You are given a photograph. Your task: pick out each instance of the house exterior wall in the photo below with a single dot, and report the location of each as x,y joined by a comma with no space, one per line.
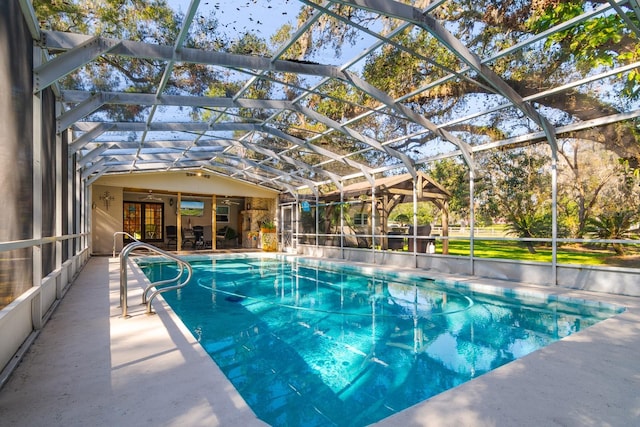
166,186
106,218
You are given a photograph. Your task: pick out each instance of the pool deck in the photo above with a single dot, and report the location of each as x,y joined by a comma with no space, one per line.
89,366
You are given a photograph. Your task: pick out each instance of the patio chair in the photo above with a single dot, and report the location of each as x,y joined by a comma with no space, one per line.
421,244
171,232
189,237
198,232
150,232
226,236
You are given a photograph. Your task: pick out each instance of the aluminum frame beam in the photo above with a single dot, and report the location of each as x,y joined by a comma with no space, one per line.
417,118
82,110
358,136
127,98
67,62
203,127
79,50
455,46
284,158
89,136
57,40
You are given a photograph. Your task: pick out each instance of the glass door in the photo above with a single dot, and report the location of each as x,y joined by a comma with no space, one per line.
153,221
144,221
132,220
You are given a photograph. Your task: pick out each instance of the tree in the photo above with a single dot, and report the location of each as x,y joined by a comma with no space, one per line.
615,225
584,175
403,219
517,187
150,21
403,213
618,216
601,42
454,176
604,41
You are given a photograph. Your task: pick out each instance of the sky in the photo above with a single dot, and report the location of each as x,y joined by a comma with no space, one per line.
262,16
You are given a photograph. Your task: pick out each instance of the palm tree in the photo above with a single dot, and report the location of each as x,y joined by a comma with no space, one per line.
614,225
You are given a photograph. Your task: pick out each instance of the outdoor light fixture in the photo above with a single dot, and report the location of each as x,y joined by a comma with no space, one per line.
199,174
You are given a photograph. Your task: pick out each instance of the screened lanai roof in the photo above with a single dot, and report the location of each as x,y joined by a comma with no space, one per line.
321,94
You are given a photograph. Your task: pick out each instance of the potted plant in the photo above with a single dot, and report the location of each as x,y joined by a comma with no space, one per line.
269,238
268,226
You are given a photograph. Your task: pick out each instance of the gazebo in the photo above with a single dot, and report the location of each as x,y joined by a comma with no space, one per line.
388,192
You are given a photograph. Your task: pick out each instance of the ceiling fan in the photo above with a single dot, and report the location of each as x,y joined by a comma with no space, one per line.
151,198
229,202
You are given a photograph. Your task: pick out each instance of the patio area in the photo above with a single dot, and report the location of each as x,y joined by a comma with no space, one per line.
89,366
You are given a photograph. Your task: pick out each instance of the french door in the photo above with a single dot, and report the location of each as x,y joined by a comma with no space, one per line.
144,221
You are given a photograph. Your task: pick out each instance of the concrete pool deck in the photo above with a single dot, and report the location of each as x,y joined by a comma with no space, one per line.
89,366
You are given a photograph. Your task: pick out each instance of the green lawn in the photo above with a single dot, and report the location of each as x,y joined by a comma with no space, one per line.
515,250
567,254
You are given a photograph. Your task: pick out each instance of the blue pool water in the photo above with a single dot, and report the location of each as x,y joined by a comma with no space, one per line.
307,344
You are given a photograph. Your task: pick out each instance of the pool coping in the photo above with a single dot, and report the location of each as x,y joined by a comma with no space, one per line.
90,364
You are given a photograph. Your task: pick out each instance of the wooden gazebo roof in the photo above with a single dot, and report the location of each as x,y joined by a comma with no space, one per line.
397,187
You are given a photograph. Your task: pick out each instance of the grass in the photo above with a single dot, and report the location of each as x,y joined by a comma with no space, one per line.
505,249
573,254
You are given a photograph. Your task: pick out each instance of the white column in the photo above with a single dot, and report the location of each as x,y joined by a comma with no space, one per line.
554,215
415,223
36,309
471,219
179,224
341,222
60,155
214,222
297,224
70,200
373,220
317,218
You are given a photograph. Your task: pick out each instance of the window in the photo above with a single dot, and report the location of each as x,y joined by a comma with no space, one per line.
222,213
361,219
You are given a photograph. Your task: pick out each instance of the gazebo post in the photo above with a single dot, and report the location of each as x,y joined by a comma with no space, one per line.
384,218
392,191
214,223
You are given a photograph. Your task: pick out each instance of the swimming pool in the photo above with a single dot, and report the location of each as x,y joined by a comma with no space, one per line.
313,343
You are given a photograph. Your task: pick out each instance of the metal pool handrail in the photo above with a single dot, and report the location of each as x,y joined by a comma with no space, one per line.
124,256
118,233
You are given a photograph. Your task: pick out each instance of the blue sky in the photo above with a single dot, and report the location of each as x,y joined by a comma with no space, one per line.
261,16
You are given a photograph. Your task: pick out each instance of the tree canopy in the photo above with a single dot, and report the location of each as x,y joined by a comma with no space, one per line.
465,79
